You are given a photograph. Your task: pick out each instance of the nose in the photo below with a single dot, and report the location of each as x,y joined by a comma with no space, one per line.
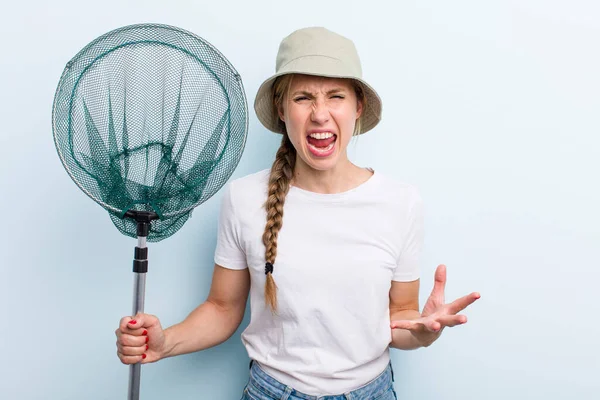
320,112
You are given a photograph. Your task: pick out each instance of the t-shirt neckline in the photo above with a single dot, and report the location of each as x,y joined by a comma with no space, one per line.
296,191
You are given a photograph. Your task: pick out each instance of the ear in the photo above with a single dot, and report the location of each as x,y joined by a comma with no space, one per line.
359,108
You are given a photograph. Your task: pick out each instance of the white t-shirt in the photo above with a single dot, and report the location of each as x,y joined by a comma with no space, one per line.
336,257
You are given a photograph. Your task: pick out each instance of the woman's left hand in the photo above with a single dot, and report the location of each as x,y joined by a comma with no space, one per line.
437,314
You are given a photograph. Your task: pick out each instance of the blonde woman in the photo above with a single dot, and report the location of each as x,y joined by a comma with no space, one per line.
328,251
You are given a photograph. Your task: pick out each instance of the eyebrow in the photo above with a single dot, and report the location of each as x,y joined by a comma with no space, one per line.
305,93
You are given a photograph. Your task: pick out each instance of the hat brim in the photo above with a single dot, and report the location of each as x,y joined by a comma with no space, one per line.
263,103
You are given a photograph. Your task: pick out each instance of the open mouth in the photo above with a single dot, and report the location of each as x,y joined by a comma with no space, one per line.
321,144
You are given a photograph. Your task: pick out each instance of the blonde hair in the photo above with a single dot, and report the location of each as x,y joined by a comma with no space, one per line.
280,178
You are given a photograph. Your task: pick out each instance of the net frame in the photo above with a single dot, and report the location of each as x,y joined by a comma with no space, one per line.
99,43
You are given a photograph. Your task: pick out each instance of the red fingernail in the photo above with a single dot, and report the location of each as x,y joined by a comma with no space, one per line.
143,356
147,339
132,322
147,347
145,332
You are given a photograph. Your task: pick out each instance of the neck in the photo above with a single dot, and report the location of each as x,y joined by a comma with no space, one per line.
344,176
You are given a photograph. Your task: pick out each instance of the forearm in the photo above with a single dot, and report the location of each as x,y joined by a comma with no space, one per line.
403,339
207,326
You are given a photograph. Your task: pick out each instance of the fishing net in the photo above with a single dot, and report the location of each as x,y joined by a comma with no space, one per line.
149,121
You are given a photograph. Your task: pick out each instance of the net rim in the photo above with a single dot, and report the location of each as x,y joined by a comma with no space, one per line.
133,27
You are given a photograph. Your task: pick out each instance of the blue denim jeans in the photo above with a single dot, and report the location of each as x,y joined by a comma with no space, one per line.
262,386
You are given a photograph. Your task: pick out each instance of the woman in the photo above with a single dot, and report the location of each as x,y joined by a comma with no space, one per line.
335,282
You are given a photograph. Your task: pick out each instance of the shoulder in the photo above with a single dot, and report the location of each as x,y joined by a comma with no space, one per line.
397,191
252,183
249,192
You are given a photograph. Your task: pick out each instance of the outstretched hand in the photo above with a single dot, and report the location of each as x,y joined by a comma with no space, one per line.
437,314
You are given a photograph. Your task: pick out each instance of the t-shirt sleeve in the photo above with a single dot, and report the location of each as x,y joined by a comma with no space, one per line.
407,268
229,251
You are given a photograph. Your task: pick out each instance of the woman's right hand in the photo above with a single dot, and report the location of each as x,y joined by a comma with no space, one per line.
140,339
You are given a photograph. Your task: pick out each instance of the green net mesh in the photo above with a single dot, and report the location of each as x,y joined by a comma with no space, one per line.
150,118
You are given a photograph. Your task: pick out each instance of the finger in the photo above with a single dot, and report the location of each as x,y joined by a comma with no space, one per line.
139,321
132,332
411,325
130,359
132,351
127,324
452,320
460,304
129,340
439,285
433,326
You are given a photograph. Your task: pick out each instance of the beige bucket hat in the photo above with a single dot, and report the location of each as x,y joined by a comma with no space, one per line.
320,52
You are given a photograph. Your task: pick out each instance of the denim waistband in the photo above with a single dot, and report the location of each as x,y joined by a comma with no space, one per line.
277,390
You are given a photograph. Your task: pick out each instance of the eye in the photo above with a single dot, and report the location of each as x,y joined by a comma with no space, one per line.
337,96
300,98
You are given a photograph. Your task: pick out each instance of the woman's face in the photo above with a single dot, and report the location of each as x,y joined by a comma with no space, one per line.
320,115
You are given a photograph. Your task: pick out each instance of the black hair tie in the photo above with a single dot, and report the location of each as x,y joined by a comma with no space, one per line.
268,268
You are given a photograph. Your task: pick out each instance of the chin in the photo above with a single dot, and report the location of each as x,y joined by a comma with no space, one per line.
321,164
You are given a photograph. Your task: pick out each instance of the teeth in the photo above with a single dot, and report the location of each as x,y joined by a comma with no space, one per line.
322,135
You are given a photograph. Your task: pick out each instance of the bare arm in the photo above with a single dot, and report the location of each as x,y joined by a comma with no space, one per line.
214,321
404,305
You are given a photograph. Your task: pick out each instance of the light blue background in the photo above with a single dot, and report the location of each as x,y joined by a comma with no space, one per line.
490,107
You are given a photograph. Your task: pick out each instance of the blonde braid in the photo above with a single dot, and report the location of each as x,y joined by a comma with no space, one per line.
279,184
